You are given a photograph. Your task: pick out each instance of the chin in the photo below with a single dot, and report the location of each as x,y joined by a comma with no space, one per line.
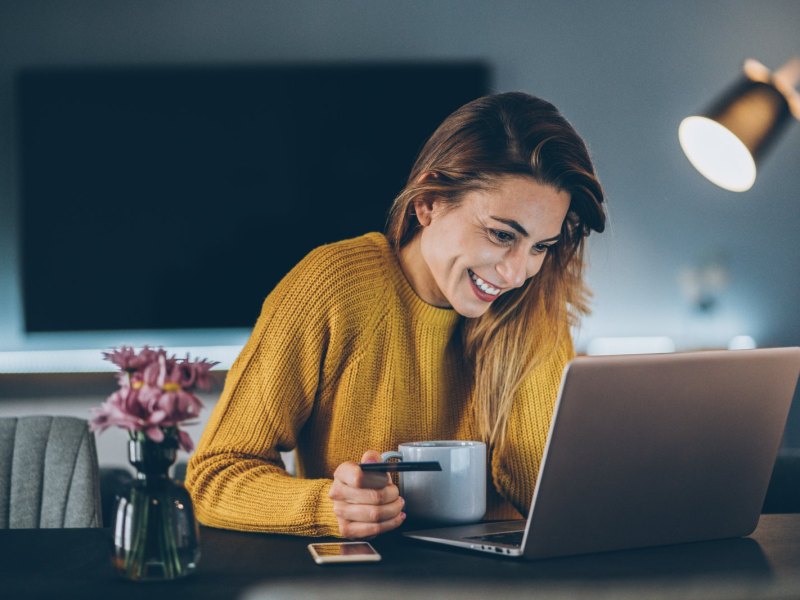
469,310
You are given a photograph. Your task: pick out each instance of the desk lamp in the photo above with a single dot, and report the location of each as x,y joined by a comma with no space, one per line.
727,140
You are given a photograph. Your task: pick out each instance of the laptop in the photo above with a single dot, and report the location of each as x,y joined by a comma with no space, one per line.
649,450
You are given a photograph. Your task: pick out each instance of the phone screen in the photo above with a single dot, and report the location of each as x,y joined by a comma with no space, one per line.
343,552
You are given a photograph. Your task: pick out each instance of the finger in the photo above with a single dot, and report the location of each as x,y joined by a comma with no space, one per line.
368,513
373,456
344,526
355,530
373,496
351,475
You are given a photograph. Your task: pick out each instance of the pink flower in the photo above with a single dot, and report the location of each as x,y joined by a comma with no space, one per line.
127,359
203,376
184,441
177,405
155,395
184,373
124,409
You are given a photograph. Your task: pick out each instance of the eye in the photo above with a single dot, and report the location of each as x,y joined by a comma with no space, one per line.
541,248
504,237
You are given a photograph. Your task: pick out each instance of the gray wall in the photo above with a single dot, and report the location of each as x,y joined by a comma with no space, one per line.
625,73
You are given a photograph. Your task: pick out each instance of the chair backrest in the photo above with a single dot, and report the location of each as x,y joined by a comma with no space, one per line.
49,476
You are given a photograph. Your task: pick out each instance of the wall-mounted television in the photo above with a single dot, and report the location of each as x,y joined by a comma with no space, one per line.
177,197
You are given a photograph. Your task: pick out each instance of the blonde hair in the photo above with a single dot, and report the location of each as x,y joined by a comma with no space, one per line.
484,140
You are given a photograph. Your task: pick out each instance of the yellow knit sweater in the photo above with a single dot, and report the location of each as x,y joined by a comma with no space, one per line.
345,357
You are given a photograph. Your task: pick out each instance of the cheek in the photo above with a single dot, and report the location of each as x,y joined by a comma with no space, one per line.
487,255
438,250
482,254
535,265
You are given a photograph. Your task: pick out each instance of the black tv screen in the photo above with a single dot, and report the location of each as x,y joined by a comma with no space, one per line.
177,197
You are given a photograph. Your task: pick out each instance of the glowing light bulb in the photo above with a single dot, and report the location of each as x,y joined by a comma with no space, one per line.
717,153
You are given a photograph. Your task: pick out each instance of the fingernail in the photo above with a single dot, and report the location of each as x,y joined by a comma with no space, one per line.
402,516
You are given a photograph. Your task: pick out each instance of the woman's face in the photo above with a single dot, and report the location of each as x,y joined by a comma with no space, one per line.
492,242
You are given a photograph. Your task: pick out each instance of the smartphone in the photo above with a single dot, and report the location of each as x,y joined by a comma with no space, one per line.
343,552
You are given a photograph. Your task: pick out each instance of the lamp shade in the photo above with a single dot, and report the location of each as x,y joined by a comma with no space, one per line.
727,140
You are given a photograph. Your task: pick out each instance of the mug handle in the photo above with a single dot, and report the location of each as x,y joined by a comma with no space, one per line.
391,454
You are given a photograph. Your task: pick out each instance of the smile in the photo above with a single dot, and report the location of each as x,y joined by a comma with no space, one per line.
483,287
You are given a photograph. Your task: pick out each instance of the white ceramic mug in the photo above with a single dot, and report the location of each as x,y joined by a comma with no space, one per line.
454,495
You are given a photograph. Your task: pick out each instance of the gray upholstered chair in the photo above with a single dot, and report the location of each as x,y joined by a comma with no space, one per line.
49,475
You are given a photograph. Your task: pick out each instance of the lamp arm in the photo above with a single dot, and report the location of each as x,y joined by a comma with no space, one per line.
786,80
789,73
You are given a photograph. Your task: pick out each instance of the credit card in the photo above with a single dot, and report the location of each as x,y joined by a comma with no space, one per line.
397,467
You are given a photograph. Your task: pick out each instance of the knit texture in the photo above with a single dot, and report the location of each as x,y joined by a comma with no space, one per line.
345,357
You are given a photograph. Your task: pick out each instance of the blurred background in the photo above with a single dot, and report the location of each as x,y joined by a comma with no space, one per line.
683,264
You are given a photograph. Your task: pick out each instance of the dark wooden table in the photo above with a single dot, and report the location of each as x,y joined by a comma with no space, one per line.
75,563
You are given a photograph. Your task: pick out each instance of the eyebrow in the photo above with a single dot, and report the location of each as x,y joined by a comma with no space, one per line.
514,225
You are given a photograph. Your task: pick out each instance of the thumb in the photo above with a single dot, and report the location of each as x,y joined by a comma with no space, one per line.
371,456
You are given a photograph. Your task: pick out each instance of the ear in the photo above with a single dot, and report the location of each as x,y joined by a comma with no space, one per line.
423,209
423,205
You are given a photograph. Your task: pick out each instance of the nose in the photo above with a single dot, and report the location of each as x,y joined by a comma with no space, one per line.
513,268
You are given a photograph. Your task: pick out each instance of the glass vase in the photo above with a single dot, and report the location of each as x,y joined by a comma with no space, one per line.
156,536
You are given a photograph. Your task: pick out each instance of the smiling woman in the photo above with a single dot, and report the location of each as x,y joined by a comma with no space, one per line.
508,158
452,326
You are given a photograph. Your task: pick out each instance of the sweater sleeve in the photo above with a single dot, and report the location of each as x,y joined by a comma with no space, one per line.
516,466
236,477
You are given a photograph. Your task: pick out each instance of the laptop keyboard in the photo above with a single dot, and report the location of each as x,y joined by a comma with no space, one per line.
512,538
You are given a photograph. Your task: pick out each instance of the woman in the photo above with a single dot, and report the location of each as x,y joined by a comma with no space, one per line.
455,325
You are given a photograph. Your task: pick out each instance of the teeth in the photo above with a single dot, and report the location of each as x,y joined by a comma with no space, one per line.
483,285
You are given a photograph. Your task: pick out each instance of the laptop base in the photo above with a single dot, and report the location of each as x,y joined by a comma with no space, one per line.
494,538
